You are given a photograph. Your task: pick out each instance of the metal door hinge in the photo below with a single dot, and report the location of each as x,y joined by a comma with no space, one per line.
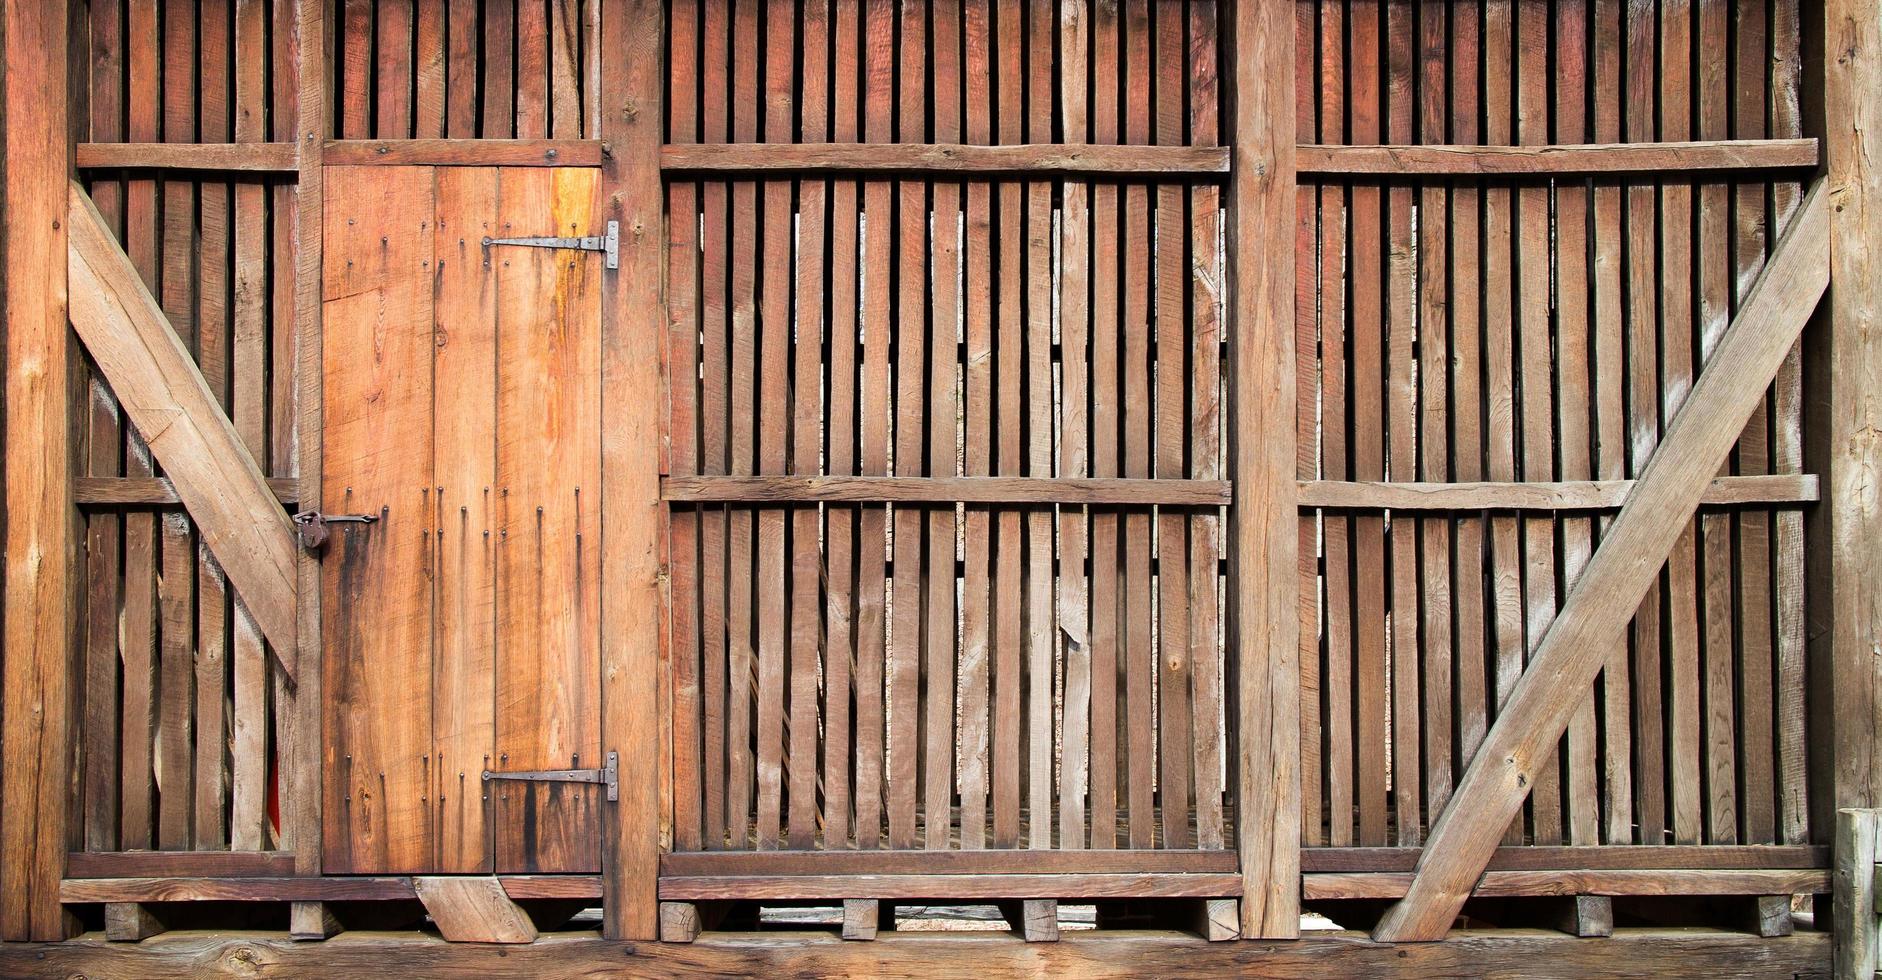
607,775
311,525
609,244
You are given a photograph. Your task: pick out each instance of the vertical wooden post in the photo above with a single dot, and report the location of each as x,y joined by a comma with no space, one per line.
1262,574
633,318
300,706
1850,407
1855,898
37,780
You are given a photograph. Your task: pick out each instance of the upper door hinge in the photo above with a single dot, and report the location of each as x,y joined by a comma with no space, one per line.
609,245
607,775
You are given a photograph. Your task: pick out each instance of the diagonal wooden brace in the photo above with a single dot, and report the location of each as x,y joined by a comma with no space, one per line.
1632,552
165,395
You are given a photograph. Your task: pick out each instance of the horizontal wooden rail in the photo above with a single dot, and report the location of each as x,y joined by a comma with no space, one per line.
280,158
1128,161
1559,159
1506,884
842,862
920,886
941,490
1644,857
301,889
153,491
179,864
464,153
1793,488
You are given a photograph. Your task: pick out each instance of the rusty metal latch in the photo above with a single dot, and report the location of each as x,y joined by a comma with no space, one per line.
607,775
609,244
311,525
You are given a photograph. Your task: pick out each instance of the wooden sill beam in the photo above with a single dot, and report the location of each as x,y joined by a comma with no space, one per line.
1640,857
924,886
1595,615
950,489
178,864
464,153
946,158
1561,159
276,158
1510,884
155,491
893,862
163,393
1779,489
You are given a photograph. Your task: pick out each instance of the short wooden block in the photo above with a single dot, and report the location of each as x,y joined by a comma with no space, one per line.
311,921
861,918
679,922
474,910
129,922
1586,916
1771,915
1219,919
1037,919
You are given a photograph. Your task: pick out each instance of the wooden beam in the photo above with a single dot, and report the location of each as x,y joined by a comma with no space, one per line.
946,862
1511,884
278,889
158,491
178,864
1263,579
275,158
949,490
465,153
1089,955
37,708
1591,621
311,921
1166,162
862,919
164,393
471,909
679,922
1854,908
1036,919
1777,488
130,922
1641,857
1558,159
1219,919
922,886
633,324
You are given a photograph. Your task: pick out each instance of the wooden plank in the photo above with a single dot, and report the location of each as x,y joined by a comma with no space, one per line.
1009,331
949,490
548,594
1208,715
682,765
176,609
1401,414
1307,462
352,888
556,886
378,458
178,864
1137,656
165,395
950,862
41,529
1261,553
742,338
499,70
240,158
918,886
465,152
532,69
392,83
914,159
1503,884
1854,901
1042,650
1105,954
1788,453
465,364
943,410
1336,680
1105,607
1584,857
1557,159
1434,417
1074,450
713,398
473,910
565,41
1569,655
976,441
144,492
632,317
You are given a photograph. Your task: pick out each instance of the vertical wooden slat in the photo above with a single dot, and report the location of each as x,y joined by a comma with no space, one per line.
1261,189
393,85
466,360
532,69
41,525
631,324
1434,415
1105,614
1008,377
944,338
1139,657
1336,527
458,84
977,448
1174,669
1307,415
1788,446
248,771
741,647
909,318
1401,408
1074,459
682,425
1205,420
714,393
103,554
1041,630
840,449
499,69
878,113
565,95
209,824
774,334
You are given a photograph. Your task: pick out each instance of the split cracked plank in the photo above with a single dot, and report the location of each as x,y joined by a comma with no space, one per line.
1594,617
165,395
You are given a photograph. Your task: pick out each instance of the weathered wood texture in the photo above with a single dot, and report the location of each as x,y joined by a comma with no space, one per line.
473,910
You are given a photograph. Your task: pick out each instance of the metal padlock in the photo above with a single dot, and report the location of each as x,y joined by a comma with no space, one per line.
311,525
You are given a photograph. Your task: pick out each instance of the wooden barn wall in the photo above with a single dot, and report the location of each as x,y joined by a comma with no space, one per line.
1537,330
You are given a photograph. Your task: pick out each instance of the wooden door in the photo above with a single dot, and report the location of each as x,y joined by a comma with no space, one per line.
462,407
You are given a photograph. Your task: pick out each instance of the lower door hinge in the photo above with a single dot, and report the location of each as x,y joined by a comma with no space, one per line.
609,245
606,776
